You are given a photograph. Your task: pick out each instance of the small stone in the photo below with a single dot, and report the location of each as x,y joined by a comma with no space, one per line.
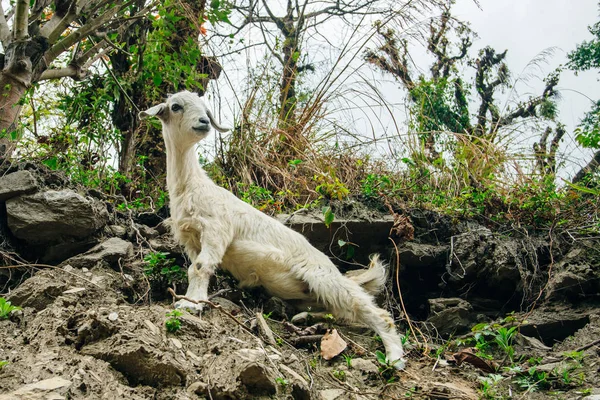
199,388
74,290
153,328
177,343
364,366
294,375
113,316
331,394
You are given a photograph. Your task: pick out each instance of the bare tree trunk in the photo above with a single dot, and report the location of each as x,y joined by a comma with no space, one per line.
11,91
287,94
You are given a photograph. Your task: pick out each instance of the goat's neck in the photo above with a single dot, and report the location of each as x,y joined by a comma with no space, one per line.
183,168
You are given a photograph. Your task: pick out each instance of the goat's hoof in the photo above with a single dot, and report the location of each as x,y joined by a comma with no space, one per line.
192,308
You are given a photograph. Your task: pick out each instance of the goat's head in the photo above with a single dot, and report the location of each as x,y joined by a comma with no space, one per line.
185,117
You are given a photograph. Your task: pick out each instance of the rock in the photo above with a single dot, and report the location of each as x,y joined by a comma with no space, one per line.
117,230
199,388
227,305
147,232
576,275
258,379
414,255
276,308
39,291
450,315
140,363
48,389
48,217
69,247
166,244
17,183
149,218
489,264
332,394
364,366
300,392
113,316
551,326
296,377
110,251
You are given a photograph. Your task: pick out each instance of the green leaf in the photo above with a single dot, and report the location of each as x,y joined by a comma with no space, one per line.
342,243
51,163
381,358
329,216
157,79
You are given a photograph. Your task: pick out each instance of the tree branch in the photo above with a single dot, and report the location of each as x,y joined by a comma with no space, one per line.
4,29
73,71
276,20
61,19
81,33
21,19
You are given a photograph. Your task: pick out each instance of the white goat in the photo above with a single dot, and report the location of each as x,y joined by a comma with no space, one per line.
217,228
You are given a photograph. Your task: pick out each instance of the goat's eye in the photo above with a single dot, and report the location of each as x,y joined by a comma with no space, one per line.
176,107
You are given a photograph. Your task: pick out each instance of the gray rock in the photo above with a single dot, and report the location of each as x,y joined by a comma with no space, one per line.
110,252
48,217
576,275
147,232
450,315
139,362
118,230
416,254
258,379
53,388
39,291
364,366
17,183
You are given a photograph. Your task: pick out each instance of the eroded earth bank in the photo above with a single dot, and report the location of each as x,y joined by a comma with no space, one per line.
494,311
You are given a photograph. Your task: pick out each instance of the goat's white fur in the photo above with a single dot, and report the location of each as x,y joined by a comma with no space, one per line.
217,228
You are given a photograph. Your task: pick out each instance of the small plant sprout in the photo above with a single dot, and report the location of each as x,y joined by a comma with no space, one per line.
6,308
173,323
348,358
159,268
3,363
329,318
575,356
489,386
282,381
386,368
339,374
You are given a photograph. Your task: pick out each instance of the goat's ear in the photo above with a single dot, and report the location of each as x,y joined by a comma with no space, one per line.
214,123
156,111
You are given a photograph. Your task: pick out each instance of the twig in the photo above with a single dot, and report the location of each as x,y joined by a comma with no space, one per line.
587,346
51,267
410,325
211,305
264,328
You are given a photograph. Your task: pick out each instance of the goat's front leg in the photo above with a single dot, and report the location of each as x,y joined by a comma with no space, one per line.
201,270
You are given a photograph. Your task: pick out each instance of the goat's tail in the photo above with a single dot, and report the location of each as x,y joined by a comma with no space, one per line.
372,279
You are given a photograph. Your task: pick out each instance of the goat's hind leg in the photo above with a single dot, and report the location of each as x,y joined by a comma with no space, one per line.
346,299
